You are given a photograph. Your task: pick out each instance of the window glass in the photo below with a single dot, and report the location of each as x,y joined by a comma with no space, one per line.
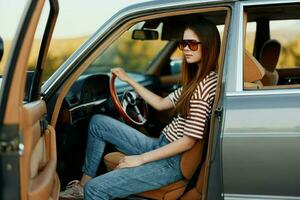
12,11
287,32
132,55
278,47
76,22
250,36
33,56
35,49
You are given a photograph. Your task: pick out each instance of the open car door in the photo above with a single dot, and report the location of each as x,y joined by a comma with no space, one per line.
27,142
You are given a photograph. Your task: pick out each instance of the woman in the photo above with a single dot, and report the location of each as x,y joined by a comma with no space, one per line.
155,162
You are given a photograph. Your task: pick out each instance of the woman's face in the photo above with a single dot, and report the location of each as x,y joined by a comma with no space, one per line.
192,56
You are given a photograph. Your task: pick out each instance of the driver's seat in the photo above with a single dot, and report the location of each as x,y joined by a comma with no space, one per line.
189,163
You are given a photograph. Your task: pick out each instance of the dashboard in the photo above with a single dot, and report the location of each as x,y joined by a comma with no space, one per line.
90,94
87,89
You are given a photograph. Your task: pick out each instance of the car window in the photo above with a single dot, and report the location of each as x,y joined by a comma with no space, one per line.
272,43
33,56
9,30
76,22
131,54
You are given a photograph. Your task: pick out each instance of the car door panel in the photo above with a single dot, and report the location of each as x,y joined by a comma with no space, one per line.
261,144
38,163
260,140
34,141
11,98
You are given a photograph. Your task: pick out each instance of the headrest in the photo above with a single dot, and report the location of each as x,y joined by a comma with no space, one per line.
269,54
253,70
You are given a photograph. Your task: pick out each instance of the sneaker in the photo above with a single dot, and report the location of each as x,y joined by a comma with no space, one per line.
73,191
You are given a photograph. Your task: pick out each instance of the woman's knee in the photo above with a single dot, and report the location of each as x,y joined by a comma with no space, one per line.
92,191
98,122
100,119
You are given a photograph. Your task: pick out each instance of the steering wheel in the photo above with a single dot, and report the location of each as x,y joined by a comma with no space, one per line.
129,102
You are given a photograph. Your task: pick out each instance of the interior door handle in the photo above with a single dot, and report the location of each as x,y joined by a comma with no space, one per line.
43,124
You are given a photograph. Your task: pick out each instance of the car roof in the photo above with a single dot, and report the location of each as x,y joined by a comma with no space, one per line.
176,3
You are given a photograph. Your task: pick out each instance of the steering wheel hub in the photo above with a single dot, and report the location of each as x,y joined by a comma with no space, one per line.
129,99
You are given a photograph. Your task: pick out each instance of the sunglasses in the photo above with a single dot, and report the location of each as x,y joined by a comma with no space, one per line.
192,44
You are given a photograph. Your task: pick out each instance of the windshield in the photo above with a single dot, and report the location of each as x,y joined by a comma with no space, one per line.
130,54
76,22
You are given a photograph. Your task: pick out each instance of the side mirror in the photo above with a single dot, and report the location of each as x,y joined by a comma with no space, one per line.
145,35
1,48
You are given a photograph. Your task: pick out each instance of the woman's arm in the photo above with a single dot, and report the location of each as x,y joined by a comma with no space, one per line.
171,149
154,100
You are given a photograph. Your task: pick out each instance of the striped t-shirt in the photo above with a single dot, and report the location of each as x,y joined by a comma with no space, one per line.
200,108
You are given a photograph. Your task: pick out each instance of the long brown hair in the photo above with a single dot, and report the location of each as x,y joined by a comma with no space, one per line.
192,74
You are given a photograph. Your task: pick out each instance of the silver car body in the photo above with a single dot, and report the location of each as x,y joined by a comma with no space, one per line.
260,131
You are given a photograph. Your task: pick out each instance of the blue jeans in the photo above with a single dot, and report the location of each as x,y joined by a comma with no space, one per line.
124,182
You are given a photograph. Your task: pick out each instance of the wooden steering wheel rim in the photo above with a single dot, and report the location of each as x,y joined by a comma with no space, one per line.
118,105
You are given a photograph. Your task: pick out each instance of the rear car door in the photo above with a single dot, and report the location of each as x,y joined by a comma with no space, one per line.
28,149
261,140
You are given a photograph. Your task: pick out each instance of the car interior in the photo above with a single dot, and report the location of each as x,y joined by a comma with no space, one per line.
89,94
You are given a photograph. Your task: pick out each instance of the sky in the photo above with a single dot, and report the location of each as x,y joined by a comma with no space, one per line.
76,17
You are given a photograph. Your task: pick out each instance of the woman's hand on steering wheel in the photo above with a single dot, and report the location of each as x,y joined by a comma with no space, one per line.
121,74
130,99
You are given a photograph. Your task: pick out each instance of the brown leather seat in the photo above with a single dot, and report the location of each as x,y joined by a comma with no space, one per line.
268,58
189,162
253,72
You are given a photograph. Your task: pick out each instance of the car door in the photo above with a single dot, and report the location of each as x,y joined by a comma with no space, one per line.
28,149
260,140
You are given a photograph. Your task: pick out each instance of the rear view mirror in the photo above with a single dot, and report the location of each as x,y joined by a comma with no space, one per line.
1,48
145,35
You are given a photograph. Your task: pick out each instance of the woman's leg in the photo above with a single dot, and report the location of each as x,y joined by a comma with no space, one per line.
120,183
104,129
